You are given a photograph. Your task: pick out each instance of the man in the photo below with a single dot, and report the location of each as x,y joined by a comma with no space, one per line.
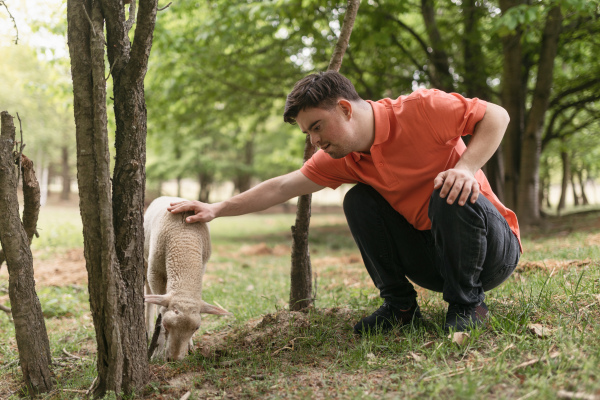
421,209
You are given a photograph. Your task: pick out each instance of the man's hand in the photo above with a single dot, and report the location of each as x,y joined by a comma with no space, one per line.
457,182
203,212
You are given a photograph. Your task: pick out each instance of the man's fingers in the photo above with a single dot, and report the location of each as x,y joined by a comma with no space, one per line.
439,180
448,186
475,192
181,207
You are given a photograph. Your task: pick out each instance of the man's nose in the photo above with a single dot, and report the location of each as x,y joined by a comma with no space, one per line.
315,139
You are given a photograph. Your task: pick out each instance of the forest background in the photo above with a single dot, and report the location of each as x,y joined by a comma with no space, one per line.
220,70
217,79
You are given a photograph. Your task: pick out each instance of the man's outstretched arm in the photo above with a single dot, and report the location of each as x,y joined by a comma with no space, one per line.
262,196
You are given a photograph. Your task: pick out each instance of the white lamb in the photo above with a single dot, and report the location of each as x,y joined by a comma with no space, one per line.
176,254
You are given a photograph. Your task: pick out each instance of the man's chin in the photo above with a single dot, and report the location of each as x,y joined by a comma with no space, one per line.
336,156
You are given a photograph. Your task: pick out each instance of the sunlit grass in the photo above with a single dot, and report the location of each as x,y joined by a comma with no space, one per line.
249,275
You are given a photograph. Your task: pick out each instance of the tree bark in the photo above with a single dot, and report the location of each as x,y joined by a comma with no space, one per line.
475,81
574,189
31,200
205,180
301,270
30,329
113,219
441,76
513,100
66,175
584,198
86,46
566,164
527,203
129,64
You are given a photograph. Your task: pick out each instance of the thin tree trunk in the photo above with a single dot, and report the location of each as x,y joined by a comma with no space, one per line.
31,200
527,203
566,164
243,179
441,75
86,45
30,329
129,64
573,188
113,220
301,271
584,198
513,100
66,175
476,83
205,180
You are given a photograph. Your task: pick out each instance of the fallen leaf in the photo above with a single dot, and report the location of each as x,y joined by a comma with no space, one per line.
416,357
428,344
459,337
539,330
537,360
250,288
563,394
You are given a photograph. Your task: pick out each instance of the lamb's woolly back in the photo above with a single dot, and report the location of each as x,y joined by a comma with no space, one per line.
174,248
176,253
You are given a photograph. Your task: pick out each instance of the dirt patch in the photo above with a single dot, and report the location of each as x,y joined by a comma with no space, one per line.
63,270
552,265
262,249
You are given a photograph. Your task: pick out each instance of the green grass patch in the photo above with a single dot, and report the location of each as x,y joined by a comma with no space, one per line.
316,355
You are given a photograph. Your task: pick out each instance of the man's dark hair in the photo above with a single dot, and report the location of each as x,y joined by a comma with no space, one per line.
320,90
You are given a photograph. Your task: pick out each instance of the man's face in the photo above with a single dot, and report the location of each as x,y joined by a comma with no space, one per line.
328,129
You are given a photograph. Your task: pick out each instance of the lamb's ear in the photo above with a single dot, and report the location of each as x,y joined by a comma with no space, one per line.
159,299
210,309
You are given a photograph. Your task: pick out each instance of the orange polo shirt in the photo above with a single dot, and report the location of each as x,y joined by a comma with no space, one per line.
416,137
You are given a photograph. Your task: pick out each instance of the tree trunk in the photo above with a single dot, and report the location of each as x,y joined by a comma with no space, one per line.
30,329
527,203
205,180
301,270
475,78
584,198
243,180
441,76
129,65
86,46
113,221
66,175
565,180
513,100
573,188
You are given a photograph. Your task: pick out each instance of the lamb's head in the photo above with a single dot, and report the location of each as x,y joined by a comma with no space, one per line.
180,320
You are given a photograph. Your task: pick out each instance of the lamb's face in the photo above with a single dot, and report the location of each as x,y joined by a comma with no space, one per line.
179,326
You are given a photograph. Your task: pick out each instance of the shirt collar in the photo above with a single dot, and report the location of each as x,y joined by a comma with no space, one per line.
382,126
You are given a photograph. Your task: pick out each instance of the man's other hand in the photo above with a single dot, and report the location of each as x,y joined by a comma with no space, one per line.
203,212
457,182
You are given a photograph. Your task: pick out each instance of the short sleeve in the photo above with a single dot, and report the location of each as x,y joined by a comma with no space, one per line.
326,171
451,115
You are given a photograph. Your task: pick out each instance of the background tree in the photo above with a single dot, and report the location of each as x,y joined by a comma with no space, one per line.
30,329
113,219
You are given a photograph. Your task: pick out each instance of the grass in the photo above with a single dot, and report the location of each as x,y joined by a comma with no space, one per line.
315,354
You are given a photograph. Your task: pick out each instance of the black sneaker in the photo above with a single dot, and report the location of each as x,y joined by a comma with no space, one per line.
461,317
387,317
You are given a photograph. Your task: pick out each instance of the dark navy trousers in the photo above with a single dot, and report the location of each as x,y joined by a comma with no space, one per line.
469,250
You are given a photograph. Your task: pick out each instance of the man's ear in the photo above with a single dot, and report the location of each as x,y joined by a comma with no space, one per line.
346,107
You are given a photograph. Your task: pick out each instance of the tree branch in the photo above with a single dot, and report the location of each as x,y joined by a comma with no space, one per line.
142,40
13,20
344,39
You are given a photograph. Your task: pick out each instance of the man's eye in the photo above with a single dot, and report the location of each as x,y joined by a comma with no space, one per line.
317,128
